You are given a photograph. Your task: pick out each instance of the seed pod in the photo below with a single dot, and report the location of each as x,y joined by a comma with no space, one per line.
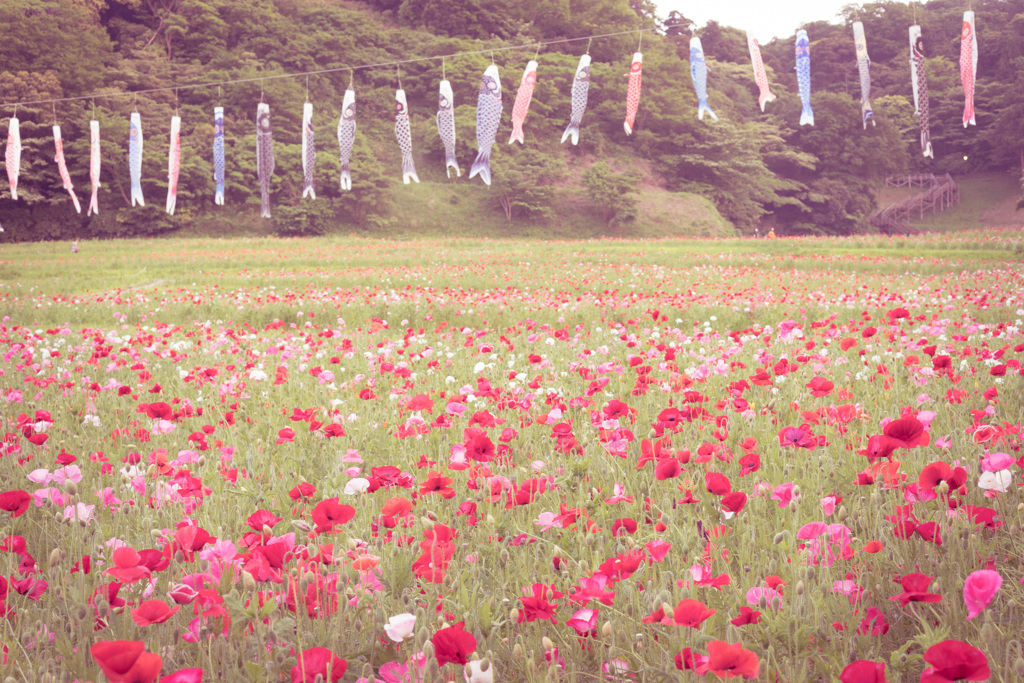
1018,668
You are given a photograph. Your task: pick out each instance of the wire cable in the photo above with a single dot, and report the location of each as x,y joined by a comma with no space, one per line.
320,72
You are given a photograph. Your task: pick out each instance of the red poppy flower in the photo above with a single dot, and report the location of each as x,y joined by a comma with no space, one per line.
879,446
691,613
125,661
262,518
127,567
315,662
667,468
717,483
453,644
157,411
819,386
955,660
184,676
438,483
623,526
907,432
915,587
303,490
751,462
329,513
38,439
729,660
286,435
334,429
735,501
747,616
937,472
478,446
535,604
15,502
153,612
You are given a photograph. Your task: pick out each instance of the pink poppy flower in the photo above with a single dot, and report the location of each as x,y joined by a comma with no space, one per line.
784,493
400,627
979,590
584,621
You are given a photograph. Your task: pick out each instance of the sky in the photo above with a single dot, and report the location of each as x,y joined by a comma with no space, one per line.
766,20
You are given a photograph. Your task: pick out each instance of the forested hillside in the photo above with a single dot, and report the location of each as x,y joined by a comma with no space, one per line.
757,169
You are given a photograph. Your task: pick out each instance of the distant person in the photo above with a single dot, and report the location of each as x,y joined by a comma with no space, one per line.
771,234
757,233
74,246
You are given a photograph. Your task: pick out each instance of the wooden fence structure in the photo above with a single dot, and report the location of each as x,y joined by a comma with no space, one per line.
939,193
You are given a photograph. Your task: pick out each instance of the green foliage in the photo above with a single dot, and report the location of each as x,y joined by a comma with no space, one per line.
613,193
525,183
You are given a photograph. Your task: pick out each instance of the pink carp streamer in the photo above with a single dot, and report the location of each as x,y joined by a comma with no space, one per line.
94,166
62,166
633,91
760,75
968,65
173,164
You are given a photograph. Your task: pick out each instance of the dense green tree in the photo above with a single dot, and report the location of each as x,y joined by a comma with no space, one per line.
613,193
526,181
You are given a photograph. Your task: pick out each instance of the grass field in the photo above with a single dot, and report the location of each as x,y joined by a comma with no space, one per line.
984,202
484,460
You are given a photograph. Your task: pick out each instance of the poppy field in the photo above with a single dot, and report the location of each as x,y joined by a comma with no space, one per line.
355,460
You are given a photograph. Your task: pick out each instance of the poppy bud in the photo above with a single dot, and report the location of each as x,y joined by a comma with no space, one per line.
780,537
427,523
989,635
301,525
800,587
547,643
428,650
514,614
82,614
1018,667
490,520
72,488
102,609
811,571
606,630
56,555
942,489
517,651
842,514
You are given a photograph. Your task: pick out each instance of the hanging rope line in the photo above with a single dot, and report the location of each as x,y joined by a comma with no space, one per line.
319,72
